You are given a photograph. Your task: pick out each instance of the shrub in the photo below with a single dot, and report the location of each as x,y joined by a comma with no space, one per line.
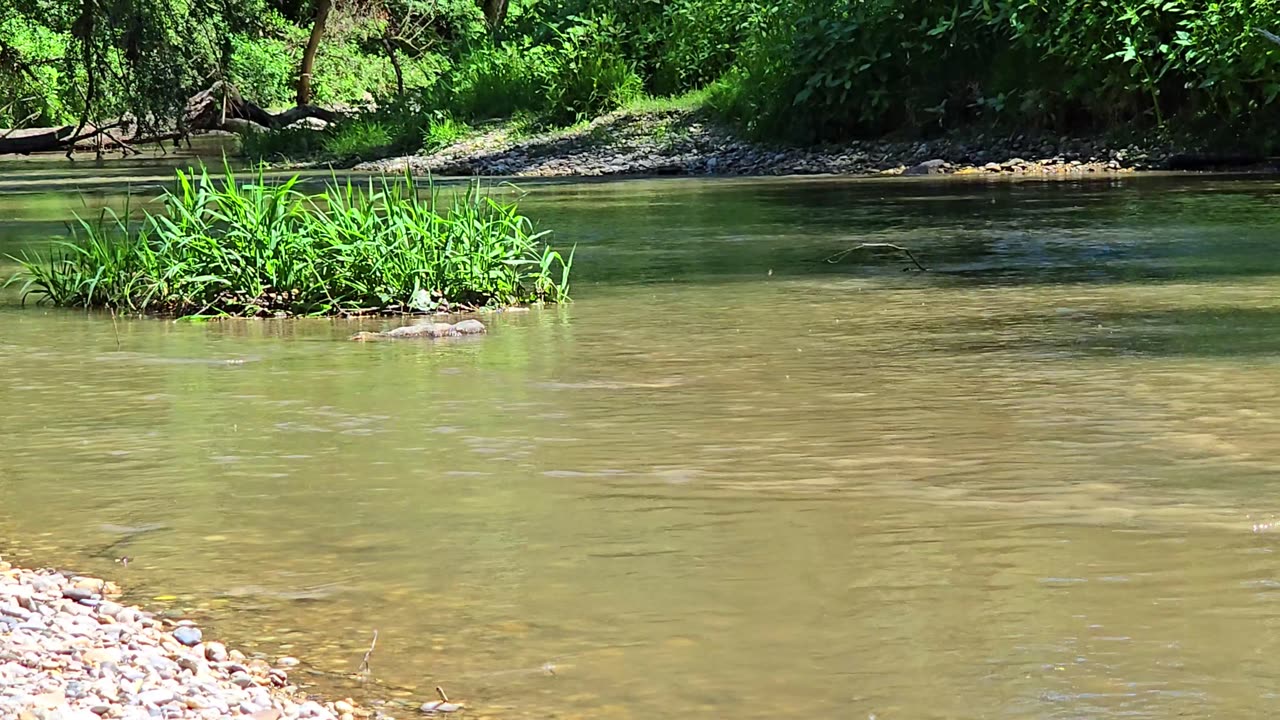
254,248
826,69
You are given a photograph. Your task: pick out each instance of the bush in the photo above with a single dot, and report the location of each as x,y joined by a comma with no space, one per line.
827,69
258,248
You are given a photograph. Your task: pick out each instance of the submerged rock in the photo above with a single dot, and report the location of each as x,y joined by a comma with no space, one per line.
428,330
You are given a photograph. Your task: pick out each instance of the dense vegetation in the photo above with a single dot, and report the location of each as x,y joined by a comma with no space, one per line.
265,248
801,70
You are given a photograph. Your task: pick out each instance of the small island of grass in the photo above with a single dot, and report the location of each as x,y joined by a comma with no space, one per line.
227,247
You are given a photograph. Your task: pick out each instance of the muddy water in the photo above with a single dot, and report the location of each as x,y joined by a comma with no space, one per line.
731,480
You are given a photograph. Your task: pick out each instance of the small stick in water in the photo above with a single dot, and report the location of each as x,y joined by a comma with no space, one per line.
440,692
364,663
841,255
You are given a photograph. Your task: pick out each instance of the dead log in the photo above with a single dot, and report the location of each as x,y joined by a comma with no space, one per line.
34,140
220,107
211,109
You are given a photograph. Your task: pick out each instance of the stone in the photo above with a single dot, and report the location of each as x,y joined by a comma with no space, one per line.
187,635
158,696
469,327
110,609
287,661
439,706
79,594
101,655
928,167
215,652
343,706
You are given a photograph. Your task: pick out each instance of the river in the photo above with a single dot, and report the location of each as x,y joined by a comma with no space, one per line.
732,480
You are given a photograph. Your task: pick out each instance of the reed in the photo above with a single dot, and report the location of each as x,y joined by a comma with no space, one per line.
222,246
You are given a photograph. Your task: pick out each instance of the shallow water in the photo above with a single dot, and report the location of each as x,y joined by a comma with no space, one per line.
731,480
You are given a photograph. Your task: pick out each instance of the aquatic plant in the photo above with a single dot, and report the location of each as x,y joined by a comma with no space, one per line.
220,246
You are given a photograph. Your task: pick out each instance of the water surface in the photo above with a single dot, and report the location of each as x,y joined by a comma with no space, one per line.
732,479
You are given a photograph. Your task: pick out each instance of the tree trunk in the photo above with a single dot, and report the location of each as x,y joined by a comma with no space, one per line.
495,11
309,55
395,63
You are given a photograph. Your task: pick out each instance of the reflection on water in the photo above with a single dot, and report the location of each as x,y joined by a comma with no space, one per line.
1035,482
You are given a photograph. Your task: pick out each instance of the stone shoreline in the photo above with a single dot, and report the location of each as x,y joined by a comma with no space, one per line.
70,651
684,142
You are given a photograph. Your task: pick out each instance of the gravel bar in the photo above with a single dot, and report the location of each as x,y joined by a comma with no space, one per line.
70,651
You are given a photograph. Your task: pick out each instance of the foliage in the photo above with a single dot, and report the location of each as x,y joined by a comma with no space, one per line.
819,69
359,138
802,70
258,247
443,132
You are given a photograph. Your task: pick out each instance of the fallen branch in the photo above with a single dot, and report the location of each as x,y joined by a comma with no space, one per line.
841,255
217,108
211,109
1268,35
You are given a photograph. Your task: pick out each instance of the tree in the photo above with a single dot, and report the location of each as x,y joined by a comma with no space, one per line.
495,11
322,9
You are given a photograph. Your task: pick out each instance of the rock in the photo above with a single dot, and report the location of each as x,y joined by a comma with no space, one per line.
215,652
75,690
469,327
189,664
158,696
101,655
242,679
928,167
439,706
187,635
79,594
287,661
110,609
313,709
13,611
269,714
343,706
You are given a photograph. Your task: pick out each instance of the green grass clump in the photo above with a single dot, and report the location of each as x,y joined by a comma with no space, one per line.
359,138
442,133
227,247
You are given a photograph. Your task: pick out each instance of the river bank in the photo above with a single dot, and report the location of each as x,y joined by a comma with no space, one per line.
687,142
70,651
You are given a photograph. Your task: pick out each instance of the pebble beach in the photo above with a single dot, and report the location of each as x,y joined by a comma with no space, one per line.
70,651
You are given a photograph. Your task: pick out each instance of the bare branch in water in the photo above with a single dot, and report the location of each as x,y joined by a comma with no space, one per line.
841,255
